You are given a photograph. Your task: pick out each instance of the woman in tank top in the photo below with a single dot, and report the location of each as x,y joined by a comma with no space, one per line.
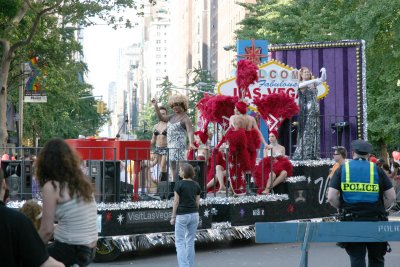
68,200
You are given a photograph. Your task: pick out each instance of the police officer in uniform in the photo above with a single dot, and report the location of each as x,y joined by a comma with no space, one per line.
361,192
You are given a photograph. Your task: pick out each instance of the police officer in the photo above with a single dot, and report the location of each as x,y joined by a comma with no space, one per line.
361,191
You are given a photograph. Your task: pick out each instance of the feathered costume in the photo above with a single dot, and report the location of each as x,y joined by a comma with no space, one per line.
203,138
264,167
216,109
253,143
274,106
238,157
242,144
217,158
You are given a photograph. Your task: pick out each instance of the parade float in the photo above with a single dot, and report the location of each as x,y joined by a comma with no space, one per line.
128,221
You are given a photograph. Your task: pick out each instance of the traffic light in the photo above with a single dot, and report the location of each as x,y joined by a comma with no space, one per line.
104,107
100,107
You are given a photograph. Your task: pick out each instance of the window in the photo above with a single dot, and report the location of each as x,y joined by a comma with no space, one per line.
158,48
158,41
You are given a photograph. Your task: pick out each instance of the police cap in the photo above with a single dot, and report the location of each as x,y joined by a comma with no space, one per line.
361,147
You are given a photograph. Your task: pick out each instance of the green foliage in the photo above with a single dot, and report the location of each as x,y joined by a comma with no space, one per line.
376,22
203,81
30,29
148,117
147,121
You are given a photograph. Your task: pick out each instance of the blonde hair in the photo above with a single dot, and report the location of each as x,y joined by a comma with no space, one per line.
33,211
178,98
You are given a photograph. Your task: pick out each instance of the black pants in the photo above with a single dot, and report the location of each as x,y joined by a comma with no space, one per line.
72,254
376,253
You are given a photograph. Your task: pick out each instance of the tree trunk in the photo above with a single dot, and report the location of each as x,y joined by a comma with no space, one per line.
383,152
4,69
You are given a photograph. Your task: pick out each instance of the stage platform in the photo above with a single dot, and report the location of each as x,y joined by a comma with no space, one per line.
131,226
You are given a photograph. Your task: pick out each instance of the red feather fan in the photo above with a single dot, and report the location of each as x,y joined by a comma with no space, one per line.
247,74
281,106
215,108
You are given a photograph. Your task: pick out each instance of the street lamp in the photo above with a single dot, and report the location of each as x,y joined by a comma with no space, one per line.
200,84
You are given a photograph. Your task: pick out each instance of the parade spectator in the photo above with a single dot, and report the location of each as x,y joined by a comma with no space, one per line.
308,134
380,163
386,169
68,199
179,127
339,156
159,139
362,205
185,215
20,243
33,211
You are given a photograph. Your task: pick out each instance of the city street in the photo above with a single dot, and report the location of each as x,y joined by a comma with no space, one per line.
247,253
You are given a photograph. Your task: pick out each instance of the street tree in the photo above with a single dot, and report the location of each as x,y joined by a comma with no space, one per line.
203,81
148,117
376,22
20,21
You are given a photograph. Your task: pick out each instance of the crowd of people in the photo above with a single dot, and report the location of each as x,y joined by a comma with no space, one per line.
68,200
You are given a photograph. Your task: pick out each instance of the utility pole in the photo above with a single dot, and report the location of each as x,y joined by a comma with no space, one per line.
24,72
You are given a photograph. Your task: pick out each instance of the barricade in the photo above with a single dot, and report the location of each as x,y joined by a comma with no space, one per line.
307,232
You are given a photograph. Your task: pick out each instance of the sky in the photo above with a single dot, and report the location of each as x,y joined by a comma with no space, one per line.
100,45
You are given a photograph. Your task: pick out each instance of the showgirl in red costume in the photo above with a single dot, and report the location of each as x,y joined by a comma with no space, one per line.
265,180
217,167
200,142
238,158
216,109
274,107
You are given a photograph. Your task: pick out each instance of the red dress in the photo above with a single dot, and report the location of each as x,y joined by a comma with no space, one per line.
253,143
279,164
239,159
217,158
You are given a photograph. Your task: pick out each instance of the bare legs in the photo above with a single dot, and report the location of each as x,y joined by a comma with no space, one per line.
220,174
162,160
276,180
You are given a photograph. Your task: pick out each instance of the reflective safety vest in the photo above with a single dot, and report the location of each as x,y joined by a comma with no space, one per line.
360,182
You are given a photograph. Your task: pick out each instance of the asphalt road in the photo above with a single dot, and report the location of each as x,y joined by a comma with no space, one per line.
247,253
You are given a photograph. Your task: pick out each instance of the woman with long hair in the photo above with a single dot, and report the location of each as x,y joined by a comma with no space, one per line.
308,136
68,199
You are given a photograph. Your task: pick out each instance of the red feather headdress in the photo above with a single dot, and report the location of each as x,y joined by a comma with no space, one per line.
246,74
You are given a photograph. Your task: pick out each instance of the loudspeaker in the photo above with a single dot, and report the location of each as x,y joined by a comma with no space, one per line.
105,176
199,173
18,176
165,189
